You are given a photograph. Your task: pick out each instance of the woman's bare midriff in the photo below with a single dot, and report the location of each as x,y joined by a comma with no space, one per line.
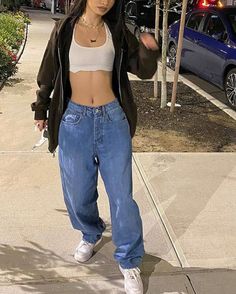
92,88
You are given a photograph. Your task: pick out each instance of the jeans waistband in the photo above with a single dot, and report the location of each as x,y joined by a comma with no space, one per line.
93,109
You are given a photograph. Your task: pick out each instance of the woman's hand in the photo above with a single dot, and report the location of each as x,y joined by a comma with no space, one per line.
149,41
41,124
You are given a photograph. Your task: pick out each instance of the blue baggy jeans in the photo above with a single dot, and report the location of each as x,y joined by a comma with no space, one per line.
92,138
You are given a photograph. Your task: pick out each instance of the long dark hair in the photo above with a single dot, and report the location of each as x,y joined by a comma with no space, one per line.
115,15
77,8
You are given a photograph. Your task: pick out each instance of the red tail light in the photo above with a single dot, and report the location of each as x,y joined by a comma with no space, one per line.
207,3
203,4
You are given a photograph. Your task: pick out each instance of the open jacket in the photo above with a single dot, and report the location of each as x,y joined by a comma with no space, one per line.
53,76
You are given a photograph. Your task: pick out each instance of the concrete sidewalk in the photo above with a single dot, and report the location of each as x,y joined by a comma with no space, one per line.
187,202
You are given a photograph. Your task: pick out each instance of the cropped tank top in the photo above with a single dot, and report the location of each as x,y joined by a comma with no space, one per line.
92,58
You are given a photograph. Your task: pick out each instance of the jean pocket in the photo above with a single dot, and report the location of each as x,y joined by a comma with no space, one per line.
71,117
117,114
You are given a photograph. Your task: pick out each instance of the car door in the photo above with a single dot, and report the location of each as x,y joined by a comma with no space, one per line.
213,48
190,52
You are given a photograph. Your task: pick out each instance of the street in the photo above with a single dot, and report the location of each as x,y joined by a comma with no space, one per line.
211,89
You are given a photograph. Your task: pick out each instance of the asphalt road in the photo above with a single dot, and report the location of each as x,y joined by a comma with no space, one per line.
206,86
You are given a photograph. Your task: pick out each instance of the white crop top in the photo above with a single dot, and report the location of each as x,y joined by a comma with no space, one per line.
92,58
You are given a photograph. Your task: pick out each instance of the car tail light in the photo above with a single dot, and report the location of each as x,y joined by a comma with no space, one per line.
207,3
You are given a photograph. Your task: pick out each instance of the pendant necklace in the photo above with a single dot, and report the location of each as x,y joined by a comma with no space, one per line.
92,26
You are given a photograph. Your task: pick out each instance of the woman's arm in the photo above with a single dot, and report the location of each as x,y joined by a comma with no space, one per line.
46,77
141,61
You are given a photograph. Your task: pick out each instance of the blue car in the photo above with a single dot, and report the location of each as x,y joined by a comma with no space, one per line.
209,47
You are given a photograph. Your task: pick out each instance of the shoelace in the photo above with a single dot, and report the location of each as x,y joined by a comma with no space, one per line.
133,273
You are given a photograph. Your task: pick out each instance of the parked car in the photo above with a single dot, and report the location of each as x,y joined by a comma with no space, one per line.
209,47
140,15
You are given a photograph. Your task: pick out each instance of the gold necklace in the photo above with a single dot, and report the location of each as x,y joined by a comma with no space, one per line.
90,25
92,40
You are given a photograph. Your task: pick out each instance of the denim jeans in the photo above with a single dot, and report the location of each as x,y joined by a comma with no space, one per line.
92,138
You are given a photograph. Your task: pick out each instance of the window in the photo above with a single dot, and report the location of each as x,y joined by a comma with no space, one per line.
195,21
214,27
232,19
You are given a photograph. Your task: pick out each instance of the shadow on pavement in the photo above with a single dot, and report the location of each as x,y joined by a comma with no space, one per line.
32,270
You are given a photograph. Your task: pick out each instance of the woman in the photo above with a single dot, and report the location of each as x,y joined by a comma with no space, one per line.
92,117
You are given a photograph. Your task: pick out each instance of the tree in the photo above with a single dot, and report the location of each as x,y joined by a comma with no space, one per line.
157,22
178,56
166,4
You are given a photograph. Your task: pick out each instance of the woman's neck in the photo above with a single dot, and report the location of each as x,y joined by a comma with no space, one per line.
92,18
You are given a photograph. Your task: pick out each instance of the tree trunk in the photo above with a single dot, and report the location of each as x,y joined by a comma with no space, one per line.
157,20
178,55
164,50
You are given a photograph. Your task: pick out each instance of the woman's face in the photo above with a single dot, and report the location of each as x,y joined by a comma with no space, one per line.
100,7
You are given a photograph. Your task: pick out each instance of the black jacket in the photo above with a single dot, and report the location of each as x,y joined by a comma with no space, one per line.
130,56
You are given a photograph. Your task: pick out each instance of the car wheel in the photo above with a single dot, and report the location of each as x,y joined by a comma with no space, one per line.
137,33
230,88
172,52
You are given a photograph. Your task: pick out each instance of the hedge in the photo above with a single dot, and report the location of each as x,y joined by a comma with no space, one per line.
12,26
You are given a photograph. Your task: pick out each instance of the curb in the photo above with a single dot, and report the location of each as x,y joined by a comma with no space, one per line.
213,100
217,103
22,47
19,53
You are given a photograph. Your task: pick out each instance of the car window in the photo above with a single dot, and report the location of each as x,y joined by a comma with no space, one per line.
232,19
214,26
195,20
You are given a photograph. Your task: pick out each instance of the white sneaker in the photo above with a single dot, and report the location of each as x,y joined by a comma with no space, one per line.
84,251
133,281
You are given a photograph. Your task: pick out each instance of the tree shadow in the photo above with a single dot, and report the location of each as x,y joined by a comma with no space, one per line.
11,82
35,269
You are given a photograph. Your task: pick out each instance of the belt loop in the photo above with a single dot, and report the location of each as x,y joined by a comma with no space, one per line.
103,110
84,110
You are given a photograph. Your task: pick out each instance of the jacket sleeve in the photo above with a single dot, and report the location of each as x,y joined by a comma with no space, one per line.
141,61
46,78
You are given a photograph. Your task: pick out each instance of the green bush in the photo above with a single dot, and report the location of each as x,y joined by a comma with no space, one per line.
11,30
12,27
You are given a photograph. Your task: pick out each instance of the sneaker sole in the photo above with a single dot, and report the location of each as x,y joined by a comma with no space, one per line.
82,259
